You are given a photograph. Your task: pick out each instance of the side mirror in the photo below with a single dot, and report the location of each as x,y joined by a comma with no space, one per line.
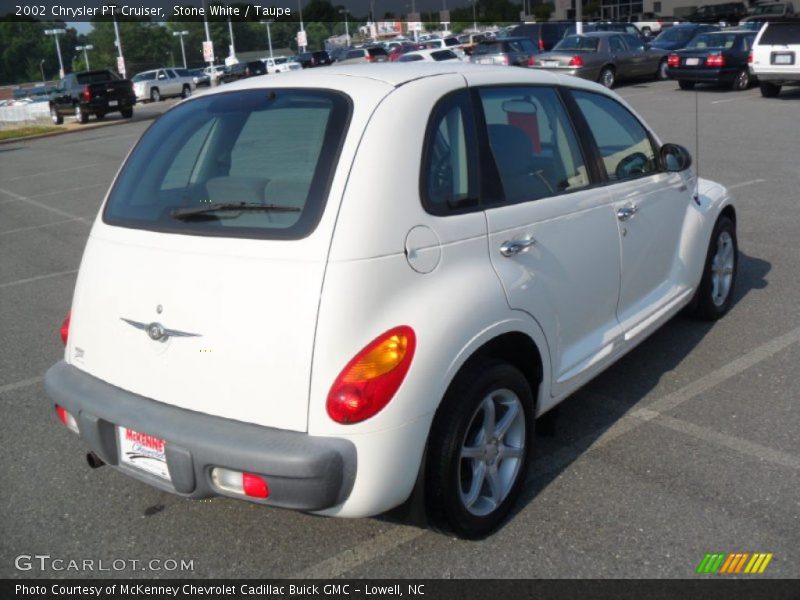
675,158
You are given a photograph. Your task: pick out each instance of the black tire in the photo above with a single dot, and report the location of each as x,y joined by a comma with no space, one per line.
607,77
57,118
186,91
705,305
155,95
126,113
100,116
456,420
769,90
80,116
661,73
686,85
742,81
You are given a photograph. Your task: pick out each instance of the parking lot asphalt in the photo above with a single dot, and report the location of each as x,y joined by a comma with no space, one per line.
688,445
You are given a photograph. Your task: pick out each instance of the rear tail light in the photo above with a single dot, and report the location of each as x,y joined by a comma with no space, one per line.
576,61
242,484
531,61
750,58
673,61
371,379
65,328
541,44
87,93
370,58
247,72
67,419
504,59
716,61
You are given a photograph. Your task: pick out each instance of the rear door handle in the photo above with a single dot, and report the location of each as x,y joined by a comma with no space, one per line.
514,247
626,212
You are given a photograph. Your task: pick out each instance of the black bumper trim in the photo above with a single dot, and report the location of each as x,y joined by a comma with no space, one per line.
304,472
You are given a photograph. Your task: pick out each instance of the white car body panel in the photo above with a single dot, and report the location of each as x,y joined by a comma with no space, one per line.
377,260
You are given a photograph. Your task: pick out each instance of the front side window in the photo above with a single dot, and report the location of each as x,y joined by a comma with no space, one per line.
532,142
615,44
622,140
449,173
251,163
633,42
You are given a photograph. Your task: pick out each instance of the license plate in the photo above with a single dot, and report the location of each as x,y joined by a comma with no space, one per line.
143,452
113,102
786,58
549,63
692,62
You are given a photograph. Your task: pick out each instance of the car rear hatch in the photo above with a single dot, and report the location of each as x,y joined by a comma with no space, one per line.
208,308
778,50
692,59
108,90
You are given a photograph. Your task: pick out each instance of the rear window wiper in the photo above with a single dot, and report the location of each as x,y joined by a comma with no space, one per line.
189,212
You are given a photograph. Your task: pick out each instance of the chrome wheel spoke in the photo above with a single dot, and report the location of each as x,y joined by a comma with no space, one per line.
496,491
509,452
476,485
488,418
472,452
510,416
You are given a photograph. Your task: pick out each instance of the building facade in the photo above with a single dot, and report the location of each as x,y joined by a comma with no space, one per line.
621,9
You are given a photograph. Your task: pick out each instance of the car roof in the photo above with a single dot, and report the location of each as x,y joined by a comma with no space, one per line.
597,34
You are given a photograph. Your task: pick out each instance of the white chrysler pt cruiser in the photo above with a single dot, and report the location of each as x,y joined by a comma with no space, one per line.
273,307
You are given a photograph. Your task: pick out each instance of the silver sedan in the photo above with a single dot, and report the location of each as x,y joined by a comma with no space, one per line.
604,56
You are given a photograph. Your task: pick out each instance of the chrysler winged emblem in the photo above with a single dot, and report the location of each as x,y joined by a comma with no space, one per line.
157,332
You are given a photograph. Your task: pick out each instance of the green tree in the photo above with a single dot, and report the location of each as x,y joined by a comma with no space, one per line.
23,47
542,12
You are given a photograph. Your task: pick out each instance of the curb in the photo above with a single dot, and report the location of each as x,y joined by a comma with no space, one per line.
90,127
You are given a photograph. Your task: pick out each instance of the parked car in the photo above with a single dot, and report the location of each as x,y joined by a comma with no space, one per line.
776,56
651,23
158,84
345,372
429,56
450,43
512,51
767,10
373,54
281,64
319,58
200,78
605,57
397,51
729,13
716,57
543,35
678,36
91,93
214,72
243,70
468,41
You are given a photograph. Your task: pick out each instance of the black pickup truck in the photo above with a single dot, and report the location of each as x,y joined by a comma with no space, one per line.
91,93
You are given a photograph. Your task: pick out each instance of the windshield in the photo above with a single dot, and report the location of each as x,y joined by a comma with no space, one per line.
577,42
716,41
676,34
257,147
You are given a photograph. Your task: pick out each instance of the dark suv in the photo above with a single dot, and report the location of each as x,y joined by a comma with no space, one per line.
243,70
543,35
729,12
320,58
516,51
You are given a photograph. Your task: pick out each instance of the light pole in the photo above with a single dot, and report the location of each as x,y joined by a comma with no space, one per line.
269,35
55,33
302,28
343,11
85,54
180,34
120,57
474,19
232,51
41,68
208,48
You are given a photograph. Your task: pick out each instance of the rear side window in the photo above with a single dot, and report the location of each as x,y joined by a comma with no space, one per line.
410,58
271,152
443,55
783,34
377,52
622,140
532,142
449,172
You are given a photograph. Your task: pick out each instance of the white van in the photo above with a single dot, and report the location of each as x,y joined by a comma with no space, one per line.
776,56
270,309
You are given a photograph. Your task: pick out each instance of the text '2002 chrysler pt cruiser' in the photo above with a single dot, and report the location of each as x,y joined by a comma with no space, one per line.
269,310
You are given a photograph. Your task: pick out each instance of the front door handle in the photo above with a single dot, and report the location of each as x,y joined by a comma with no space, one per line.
626,212
514,247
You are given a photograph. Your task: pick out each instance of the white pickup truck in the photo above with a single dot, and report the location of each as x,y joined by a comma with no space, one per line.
281,64
651,23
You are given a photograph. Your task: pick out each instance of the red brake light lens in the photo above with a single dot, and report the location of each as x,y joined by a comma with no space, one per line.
371,379
65,328
750,58
576,61
673,61
87,93
716,61
531,61
541,44
254,486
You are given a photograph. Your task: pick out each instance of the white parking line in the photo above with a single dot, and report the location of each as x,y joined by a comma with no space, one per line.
376,547
45,173
10,387
745,183
727,100
42,205
42,226
37,278
19,198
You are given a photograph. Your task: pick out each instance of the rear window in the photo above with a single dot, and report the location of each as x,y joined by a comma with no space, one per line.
96,77
488,48
781,33
377,52
411,57
252,148
443,55
577,42
721,41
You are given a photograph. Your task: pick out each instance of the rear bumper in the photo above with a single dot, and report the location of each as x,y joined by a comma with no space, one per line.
304,472
777,77
725,75
102,105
